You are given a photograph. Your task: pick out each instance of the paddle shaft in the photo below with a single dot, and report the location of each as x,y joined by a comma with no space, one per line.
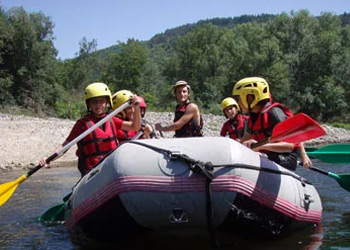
78,138
342,179
138,135
260,143
56,213
330,174
319,170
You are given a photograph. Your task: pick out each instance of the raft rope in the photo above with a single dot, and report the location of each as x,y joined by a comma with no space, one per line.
206,169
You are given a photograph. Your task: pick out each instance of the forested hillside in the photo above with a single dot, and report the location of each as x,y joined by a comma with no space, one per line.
306,60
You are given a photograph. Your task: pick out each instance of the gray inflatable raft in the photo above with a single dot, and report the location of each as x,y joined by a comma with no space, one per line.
213,183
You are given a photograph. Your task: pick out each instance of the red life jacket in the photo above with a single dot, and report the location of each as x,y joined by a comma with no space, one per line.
124,135
96,145
191,128
262,128
234,127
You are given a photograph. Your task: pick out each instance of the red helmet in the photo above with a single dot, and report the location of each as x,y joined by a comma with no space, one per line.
142,102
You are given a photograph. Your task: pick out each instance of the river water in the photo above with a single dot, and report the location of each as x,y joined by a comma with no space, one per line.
19,228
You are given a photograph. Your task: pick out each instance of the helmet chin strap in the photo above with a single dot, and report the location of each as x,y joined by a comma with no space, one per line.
249,102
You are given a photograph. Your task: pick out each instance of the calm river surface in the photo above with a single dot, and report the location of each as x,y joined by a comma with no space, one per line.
19,228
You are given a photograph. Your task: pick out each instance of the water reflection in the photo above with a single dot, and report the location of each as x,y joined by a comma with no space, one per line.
304,240
338,232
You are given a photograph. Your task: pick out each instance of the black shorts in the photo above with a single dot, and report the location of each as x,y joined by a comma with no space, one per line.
286,160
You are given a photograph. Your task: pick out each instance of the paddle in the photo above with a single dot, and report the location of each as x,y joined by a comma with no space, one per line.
342,179
7,189
296,129
310,149
334,153
56,212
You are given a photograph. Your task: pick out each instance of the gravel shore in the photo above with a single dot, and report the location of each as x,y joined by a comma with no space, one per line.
25,140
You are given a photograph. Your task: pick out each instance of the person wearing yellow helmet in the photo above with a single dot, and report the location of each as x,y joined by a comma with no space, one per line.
187,121
97,144
235,125
254,97
127,114
118,99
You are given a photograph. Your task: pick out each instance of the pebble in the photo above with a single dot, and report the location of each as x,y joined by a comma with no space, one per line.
25,140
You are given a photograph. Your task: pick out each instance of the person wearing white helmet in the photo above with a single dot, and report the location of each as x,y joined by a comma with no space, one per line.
187,122
100,142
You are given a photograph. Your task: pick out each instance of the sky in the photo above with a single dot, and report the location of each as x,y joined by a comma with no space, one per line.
110,21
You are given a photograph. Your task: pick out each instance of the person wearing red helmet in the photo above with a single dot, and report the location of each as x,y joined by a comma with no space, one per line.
120,98
143,106
147,128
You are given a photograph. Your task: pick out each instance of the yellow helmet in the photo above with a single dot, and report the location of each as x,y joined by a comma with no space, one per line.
229,101
97,89
256,86
181,83
119,98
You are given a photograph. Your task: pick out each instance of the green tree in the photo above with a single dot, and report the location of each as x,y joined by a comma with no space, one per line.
125,68
29,58
6,80
250,50
309,45
197,61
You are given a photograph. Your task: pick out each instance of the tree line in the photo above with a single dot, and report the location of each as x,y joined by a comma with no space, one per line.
305,59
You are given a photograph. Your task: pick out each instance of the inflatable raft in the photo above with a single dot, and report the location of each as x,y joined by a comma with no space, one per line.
211,183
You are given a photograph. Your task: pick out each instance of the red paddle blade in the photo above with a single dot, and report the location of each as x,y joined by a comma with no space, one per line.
297,129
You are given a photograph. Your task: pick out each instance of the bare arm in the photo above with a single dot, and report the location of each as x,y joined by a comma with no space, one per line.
147,131
307,163
134,125
192,112
42,162
278,147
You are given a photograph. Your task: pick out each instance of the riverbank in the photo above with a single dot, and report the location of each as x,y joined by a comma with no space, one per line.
25,140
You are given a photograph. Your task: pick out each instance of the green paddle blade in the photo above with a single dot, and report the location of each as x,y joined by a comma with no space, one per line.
342,179
310,149
54,214
335,153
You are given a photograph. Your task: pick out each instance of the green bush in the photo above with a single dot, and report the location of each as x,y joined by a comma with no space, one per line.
340,125
70,109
